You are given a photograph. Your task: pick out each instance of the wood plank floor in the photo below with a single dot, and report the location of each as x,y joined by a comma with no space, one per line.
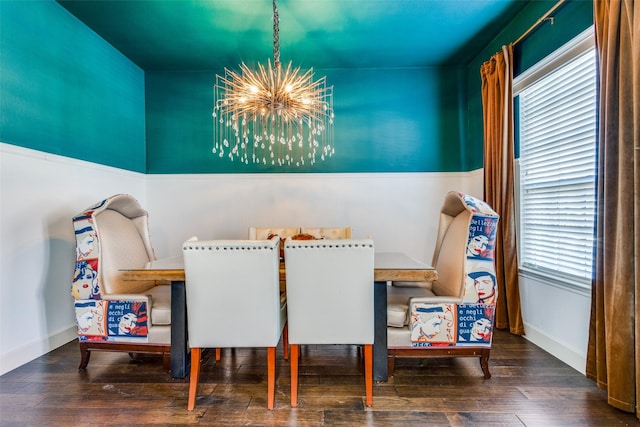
529,388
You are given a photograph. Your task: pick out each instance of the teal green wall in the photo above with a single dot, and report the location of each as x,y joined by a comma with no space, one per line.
386,120
573,17
66,91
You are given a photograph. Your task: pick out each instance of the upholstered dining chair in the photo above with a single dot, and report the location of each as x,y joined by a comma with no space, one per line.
261,233
330,299
330,233
297,233
113,314
453,316
233,300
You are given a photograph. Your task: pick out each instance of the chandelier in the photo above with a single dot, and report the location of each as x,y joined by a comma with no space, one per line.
273,115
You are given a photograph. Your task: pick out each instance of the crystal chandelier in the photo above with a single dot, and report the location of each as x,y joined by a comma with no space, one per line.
273,116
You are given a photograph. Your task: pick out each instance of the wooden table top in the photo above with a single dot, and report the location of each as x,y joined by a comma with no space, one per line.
388,266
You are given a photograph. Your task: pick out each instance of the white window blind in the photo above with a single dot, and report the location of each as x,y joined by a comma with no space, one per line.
557,134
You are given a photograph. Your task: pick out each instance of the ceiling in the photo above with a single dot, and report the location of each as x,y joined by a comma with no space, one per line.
212,34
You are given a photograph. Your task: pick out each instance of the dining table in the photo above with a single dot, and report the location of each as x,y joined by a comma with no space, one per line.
388,267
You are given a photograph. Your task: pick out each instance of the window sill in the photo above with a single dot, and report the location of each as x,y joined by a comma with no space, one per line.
578,286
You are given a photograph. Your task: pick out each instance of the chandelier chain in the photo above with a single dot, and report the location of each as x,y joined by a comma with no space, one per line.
276,36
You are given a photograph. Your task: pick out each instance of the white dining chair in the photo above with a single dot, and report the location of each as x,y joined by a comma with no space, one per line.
263,233
234,301
330,299
331,233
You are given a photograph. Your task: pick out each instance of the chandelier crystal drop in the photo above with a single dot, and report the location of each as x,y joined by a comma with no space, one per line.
273,116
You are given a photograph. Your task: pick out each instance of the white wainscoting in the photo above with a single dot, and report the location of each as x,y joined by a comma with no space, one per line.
40,193
556,318
399,211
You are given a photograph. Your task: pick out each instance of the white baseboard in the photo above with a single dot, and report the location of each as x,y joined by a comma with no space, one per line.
33,350
25,354
568,355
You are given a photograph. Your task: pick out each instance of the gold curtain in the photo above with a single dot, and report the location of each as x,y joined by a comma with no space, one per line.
497,77
613,356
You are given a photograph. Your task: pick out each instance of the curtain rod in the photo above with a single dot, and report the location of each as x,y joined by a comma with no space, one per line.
539,21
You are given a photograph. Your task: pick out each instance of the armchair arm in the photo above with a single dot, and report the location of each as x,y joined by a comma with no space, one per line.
113,318
451,323
431,322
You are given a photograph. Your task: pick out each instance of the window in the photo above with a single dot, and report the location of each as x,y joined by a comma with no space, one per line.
556,131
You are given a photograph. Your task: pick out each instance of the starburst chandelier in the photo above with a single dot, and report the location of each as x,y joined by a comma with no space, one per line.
274,115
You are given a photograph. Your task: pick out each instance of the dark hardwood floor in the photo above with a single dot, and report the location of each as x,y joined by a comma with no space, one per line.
529,388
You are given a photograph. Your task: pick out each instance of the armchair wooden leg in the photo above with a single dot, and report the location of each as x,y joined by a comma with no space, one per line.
293,363
166,361
368,373
271,377
484,363
85,354
194,377
391,364
218,354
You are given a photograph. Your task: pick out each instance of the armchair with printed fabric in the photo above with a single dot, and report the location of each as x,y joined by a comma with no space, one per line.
453,316
113,314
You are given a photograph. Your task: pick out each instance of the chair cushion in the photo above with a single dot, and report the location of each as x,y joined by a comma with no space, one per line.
160,305
397,315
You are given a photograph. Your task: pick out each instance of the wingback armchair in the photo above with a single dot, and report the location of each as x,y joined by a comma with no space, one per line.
454,315
113,314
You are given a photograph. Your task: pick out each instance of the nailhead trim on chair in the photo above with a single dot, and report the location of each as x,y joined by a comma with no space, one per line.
226,248
331,245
